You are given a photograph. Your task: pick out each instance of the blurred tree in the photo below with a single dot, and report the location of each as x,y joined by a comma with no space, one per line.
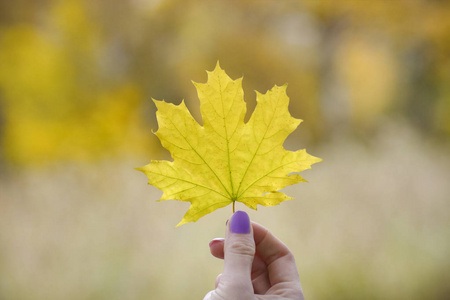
348,65
57,103
405,50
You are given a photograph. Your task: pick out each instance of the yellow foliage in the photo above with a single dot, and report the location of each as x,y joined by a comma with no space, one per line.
74,25
62,63
51,110
368,72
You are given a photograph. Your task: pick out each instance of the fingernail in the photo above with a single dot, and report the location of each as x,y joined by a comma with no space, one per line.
215,241
240,222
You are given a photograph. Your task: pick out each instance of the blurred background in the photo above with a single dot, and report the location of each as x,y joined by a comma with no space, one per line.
370,79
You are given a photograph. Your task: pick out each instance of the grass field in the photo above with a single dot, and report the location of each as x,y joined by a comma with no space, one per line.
372,223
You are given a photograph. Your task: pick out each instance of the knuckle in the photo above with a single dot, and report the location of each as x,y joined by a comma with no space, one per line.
245,248
290,258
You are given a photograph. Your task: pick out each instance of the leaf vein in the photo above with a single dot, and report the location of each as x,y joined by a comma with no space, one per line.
201,157
191,182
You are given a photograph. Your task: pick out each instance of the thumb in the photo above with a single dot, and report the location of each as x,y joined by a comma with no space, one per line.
239,251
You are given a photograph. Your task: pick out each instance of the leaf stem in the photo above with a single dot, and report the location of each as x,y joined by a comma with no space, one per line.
233,206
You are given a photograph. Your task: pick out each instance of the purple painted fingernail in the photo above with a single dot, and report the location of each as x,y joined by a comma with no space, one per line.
240,222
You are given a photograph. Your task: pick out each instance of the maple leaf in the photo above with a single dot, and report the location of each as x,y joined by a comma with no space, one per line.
226,160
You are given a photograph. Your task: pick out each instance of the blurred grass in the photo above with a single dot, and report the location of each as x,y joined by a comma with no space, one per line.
371,224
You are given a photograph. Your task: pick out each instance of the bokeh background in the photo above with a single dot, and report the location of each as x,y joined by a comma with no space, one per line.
370,79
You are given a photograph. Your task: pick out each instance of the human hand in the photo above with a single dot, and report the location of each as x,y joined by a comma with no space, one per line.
257,265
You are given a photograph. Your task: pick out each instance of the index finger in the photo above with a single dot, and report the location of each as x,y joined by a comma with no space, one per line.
276,255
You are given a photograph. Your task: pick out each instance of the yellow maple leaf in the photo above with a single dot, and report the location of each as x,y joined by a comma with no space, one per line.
226,160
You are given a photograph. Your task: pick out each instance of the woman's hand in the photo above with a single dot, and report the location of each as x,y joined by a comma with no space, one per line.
257,265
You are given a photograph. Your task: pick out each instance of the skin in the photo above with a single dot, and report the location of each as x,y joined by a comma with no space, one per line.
257,265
